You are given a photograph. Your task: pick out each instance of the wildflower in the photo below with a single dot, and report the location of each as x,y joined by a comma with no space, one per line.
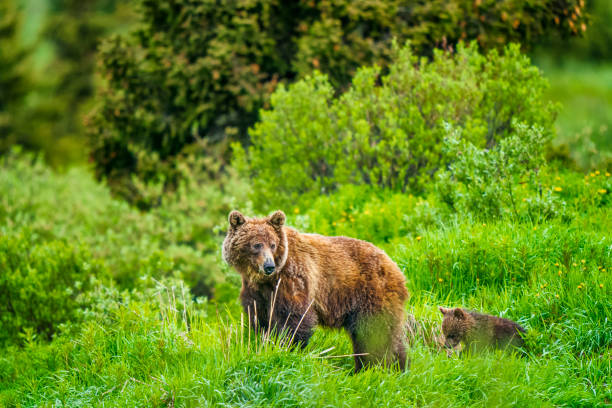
537,295
592,175
557,178
579,287
296,210
418,238
334,223
535,228
560,272
524,199
601,285
607,174
597,172
602,191
558,189
367,212
582,260
574,264
557,295
556,263
484,225
440,280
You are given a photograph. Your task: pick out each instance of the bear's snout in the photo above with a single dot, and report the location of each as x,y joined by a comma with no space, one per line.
269,267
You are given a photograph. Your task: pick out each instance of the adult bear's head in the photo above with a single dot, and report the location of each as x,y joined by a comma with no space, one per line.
256,247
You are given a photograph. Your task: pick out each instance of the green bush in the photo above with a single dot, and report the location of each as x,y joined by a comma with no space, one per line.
41,286
201,70
483,182
178,237
388,131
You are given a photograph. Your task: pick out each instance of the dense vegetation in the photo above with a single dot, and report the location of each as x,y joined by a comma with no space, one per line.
195,74
447,155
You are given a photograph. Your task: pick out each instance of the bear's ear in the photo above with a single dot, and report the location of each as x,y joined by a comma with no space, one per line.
459,313
277,219
444,310
236,219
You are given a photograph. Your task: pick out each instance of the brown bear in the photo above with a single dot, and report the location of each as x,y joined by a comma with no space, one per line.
479,331
335,282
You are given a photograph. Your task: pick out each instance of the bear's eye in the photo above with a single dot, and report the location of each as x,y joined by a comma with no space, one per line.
257,247
273,246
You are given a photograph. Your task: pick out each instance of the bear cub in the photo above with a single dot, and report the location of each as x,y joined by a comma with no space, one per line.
479,331
311,279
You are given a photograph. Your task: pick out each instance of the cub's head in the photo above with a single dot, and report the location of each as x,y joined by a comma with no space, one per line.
455,326
256,247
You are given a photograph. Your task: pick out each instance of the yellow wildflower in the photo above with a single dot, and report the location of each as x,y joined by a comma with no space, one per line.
558,189
601,285
560,272
556,295
583,260
537,295
607,174
440,280
602,191
296,210
556,263
418,238
597,172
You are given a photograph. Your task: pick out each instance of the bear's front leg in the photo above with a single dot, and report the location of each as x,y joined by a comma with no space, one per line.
296,325
289,317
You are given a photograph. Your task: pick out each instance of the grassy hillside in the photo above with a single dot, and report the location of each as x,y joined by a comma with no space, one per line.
137,337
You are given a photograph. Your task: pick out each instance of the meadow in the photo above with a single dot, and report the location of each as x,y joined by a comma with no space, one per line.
149,342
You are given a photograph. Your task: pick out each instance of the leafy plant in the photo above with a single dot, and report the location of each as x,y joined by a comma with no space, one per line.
41,286
388,131
483,181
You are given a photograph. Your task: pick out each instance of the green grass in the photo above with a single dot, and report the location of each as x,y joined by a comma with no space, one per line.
141,343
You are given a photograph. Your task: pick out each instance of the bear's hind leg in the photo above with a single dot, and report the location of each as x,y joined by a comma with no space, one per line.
377,340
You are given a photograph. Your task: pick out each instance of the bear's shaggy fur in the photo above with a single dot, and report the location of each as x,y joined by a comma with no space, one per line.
479,331
335,282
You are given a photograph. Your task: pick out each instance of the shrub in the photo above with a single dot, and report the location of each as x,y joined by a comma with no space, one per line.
388,131
178,237
202,70
482,182
40,285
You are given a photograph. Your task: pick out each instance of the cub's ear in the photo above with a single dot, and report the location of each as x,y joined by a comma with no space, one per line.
277,219
459,313
236,219
444,310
